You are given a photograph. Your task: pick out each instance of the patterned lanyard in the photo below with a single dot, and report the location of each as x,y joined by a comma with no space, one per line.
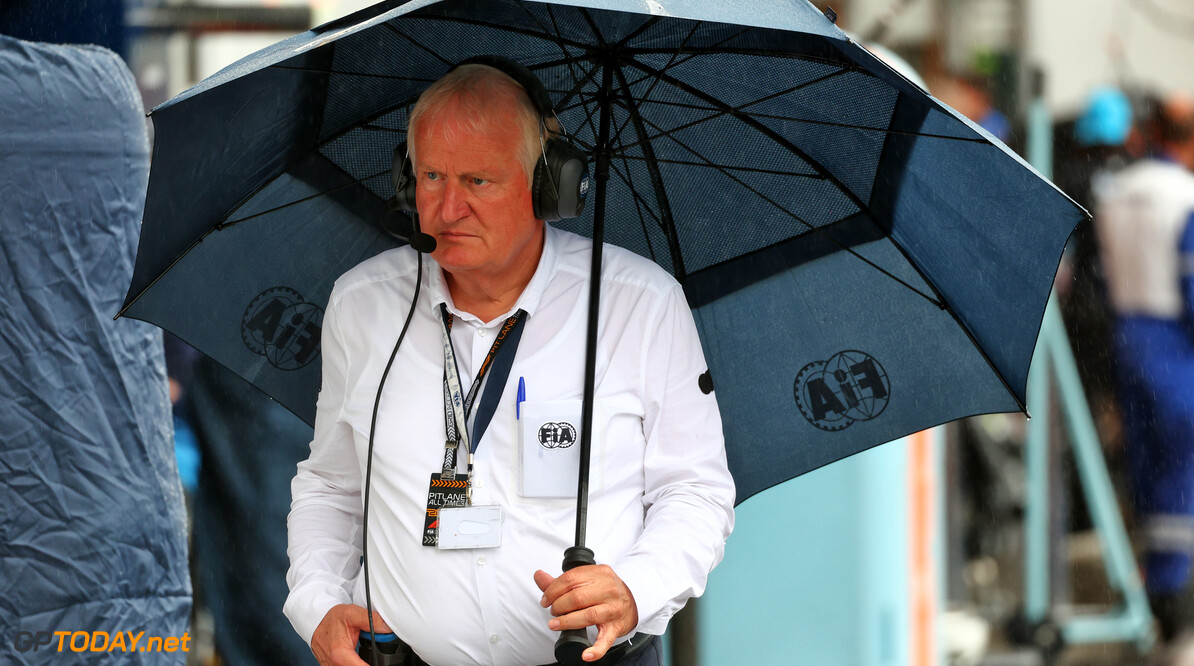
457,407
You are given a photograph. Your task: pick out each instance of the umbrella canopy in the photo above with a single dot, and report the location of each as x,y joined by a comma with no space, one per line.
862,261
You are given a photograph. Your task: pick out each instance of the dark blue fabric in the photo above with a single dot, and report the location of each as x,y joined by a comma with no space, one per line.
251,447
863,261
92,524
1155,385
98,22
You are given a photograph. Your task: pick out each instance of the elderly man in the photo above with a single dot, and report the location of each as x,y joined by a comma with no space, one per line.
661,496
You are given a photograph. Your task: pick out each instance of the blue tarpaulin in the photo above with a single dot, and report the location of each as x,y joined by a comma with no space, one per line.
92,518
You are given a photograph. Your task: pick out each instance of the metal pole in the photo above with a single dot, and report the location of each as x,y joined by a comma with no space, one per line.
586,419
572,643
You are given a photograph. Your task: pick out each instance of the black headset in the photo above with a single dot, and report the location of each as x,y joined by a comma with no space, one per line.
561,178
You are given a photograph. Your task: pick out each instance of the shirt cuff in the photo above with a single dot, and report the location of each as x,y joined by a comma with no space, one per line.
655,607
306,610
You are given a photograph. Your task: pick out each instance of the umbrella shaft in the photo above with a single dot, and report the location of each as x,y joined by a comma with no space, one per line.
601,176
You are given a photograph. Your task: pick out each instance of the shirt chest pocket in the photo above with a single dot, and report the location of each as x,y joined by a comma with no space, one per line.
549,447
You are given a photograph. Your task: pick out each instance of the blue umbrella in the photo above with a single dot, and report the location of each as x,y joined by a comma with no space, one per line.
862,261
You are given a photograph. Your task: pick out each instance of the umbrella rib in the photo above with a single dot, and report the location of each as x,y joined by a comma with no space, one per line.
410,39
939,302
223,224
713,50
661,200
506,28
555,29
762,129
650,89
726,173
570,61
651,21
618,131
596,31
768,116
316,150
345,73
689,56
637,197
574,91
566,60
229,223
574,105
639,205
770,172
379,128
578,83
672,61
588,120
718,114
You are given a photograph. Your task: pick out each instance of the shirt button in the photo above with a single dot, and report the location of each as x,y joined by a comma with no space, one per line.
494,638
481,561
483,332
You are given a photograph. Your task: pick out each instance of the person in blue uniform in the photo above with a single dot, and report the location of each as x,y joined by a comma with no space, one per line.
1145,225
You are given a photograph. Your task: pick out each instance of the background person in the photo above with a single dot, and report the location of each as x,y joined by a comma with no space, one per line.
1147,244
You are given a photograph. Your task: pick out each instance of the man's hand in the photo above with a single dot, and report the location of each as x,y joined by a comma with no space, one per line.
586,596
335,639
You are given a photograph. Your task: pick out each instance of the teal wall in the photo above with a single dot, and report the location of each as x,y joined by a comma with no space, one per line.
816,571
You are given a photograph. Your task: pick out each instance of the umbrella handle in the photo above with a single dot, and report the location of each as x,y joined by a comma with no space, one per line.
573,642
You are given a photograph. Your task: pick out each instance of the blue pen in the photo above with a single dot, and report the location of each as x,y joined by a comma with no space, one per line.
522,396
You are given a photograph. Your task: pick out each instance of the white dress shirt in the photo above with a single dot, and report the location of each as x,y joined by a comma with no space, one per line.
660,494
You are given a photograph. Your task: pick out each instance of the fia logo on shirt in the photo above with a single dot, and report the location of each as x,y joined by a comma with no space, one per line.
557,435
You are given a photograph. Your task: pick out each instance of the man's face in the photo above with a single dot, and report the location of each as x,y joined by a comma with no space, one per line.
473,195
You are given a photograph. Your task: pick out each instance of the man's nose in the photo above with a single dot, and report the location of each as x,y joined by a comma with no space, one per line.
455,203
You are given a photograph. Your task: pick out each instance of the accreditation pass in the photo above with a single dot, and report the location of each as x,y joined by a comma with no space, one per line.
452,524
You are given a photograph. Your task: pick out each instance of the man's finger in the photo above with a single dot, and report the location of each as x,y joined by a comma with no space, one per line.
543,580
582,618
574,579
577,598
358,618
347,658
379,625
335,640
560,584
605,640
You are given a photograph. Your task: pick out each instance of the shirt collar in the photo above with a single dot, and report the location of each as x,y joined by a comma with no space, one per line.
528,300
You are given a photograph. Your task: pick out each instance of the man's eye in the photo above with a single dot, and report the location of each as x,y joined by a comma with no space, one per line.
431,175
479,181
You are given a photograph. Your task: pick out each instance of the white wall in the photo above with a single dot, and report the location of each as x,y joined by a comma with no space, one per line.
1076,41
1080,43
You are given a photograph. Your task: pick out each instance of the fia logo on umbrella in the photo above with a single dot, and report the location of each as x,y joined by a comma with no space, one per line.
851,386
282,327
557,435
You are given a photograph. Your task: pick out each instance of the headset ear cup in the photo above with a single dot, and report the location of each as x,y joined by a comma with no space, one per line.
542,196
403,177
560,180
566,171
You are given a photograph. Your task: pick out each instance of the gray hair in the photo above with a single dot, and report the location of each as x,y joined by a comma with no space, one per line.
476,88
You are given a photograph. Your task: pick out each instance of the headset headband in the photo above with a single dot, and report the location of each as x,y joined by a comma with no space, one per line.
522,76
560,181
